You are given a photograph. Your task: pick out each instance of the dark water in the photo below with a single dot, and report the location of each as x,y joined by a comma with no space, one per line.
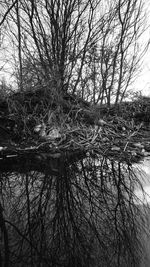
80,212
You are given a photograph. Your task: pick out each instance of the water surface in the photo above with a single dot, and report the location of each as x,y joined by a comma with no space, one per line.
79,212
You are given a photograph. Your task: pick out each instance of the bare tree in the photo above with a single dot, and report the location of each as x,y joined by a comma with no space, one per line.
19,45
89,48
58,34
116,55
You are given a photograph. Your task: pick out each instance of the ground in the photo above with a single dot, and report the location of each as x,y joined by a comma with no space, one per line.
35,123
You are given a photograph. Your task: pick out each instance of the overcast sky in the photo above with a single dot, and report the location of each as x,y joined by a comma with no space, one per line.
142,81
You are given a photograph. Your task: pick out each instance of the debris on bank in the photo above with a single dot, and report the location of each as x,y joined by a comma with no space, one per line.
35,124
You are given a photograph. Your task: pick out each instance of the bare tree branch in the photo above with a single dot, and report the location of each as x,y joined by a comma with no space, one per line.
7,12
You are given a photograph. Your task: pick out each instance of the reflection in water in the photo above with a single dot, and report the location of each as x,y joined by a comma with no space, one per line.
142,192
143,171
83,216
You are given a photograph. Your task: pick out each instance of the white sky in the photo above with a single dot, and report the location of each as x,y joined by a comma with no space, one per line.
142,81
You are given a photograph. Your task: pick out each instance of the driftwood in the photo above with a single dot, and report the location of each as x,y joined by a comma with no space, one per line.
70,126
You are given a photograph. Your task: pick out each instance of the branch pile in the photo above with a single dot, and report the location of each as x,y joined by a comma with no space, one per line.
72,127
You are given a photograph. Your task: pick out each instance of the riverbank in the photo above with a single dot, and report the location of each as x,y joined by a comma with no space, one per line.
36,123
